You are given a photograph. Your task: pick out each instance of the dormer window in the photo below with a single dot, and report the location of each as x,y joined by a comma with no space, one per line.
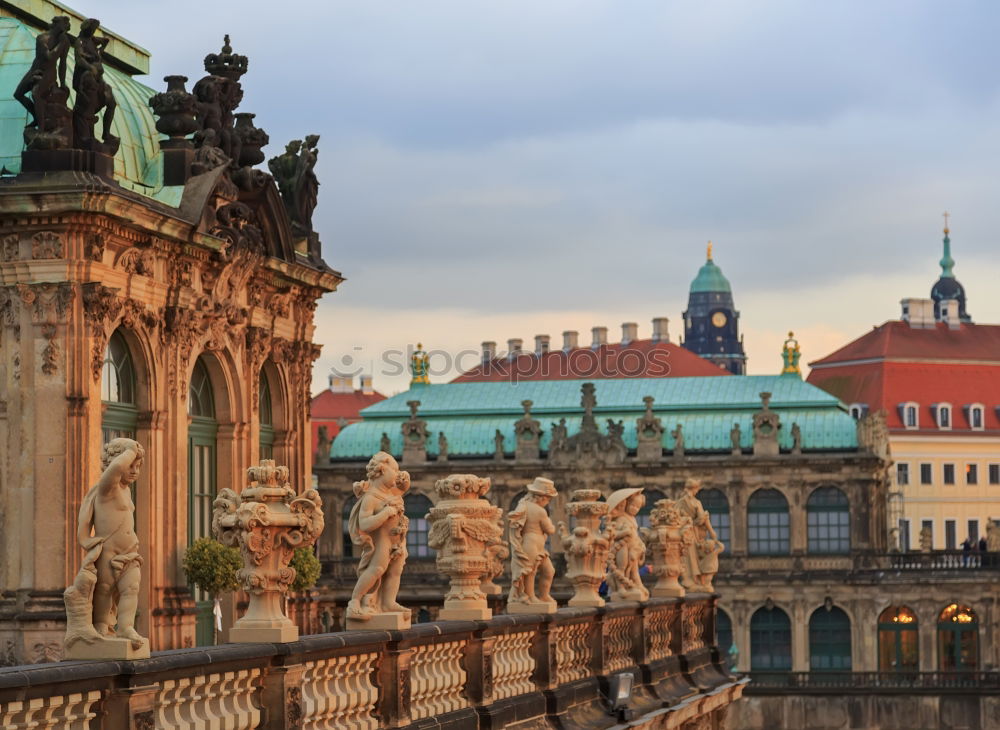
942,412
976,415
909,413
858,410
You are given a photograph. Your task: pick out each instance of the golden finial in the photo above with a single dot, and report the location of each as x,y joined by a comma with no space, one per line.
709,254
790,355
946,216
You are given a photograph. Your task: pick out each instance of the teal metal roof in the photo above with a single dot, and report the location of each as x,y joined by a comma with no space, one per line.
710,279
138,164
470,413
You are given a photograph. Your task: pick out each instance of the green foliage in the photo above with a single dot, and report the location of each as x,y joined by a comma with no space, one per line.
212,566
307,569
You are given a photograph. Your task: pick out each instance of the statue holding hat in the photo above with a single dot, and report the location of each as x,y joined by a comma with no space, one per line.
627,552
530,526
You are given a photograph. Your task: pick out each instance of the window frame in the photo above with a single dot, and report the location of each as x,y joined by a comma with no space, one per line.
902,473
825,636
773,627
944,416
826,536
904,637
971,474
971,411
768,544
416,547
907,409
994,474
948,474
926,473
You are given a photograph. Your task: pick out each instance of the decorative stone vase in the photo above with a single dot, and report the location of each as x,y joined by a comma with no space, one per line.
175,109
666,540
268,522
497,552
463,524
586,548
252,140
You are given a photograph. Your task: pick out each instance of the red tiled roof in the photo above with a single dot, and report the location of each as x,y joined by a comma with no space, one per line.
896,364
328,408
898,340
637,359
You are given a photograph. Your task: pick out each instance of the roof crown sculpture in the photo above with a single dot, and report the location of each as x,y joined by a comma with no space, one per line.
790,355
226,64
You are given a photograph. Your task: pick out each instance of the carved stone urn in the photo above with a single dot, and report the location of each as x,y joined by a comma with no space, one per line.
175,109
463,524
268,521
497,552
666,540
586,548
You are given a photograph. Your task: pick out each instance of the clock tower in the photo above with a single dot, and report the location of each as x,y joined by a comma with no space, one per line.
711,322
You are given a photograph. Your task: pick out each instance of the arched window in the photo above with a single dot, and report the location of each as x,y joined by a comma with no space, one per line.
266,419
652,497
767,523
958,639
717,506
898,649
417,506
202,485
770,641
345,518
120,416
828,521
829,640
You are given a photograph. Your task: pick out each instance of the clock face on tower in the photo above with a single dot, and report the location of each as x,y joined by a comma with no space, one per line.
719,319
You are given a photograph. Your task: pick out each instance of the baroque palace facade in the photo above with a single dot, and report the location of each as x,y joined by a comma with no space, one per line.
152,285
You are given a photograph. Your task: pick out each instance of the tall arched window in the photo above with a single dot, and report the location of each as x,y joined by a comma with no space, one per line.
652,497
202,432
417,506
770,640
120,416
345,520
958,639
828,521
829,640
266,416
717,506
898,649
767,523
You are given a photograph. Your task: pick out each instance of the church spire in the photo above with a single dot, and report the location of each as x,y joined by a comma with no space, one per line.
947,262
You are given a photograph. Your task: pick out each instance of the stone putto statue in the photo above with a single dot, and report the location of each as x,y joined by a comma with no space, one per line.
529,526
701,558
463,527
627,551
378,524
586,548
101,603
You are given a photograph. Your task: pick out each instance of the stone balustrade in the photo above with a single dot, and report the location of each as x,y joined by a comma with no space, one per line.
509,671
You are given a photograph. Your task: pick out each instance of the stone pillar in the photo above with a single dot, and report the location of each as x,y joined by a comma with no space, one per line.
528,435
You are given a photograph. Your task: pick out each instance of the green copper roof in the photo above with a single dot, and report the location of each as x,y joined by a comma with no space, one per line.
470,413
138,164
710,279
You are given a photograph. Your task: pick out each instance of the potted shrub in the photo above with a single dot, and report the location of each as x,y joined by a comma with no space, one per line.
213,567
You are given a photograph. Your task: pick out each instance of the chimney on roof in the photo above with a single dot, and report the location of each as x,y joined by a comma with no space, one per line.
660,333
571,340
600,336
489,350
341,383
514,347
918,313
541,344
366,385
630,332
949,313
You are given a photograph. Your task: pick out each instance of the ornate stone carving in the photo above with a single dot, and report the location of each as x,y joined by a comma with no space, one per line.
235,223
93,92
627,551
496,553
93,247
294,172
137,261
217,96
702,555
589,447
586,548
649,433
175,109
294,713
678,436
50,353
529,526
50,125
11,247
378,524
48,302
528,433
498,440
462,525
796,439
442,447
766,424
268,521
415,435
667,540
734,438
105,593
46,245
144,720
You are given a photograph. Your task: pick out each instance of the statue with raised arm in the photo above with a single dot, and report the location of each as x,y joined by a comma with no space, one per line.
378,524
704,549
46,82
530,527
101,603
93,92
627,550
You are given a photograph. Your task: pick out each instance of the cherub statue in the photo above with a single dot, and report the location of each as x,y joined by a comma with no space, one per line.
378,524
627,552
529,526
708,549
701,522
105,593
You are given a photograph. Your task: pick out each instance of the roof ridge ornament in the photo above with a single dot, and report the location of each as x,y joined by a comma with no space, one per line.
708,253
790,355
947,262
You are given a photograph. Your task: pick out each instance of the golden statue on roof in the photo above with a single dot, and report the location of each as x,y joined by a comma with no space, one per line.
791,354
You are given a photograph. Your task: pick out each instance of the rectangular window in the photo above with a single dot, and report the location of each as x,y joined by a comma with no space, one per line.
949,535
928,526
974,530
945,417
977,417
904,534
971,474
949,473
926,474
911,417
994,473
902,474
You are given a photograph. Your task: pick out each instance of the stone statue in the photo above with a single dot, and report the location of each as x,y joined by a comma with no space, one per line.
627,551
708,550
93,93
586,548
385,444
701,524
926,539
528,435
734,437
378,524
529,526
766,425
442,447
649,434
49,127
894,540
294,172
992,536
559,436
666,540
498,446
217,96
678,435
105,593
463,525
796,439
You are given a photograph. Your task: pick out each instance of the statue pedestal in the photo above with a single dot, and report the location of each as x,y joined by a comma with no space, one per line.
594,601
381,622
536,607
111,648
465,614
251,632
68,160
668,591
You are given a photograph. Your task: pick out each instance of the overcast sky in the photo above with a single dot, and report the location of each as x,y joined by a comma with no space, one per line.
501,169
